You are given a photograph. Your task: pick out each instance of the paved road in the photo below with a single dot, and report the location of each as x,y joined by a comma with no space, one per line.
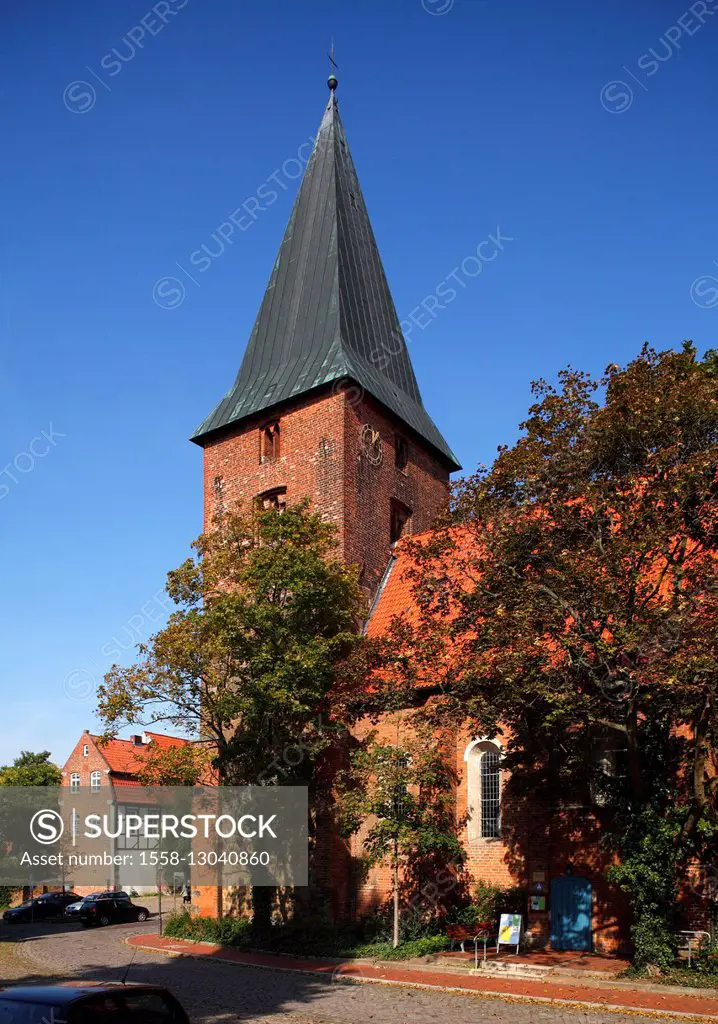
214,993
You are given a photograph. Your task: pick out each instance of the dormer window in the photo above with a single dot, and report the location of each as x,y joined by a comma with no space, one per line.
276,498
269,442
401,452
399,521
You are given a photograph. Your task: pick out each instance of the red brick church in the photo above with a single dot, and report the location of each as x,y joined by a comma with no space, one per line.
326,406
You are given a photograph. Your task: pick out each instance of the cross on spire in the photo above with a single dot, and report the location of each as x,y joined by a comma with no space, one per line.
332,82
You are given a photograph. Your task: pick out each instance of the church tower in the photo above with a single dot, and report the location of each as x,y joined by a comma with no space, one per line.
326,405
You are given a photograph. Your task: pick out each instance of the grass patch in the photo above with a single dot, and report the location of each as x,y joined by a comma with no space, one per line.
688,979
406,951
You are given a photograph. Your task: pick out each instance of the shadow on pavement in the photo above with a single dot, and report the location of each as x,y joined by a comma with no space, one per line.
209,991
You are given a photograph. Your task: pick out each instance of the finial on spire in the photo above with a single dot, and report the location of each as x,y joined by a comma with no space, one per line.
332,81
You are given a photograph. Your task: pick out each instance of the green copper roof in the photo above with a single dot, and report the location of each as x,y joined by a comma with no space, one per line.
327,314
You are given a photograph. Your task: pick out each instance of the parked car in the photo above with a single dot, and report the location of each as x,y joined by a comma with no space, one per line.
109,909
50,904
88,1003
72,911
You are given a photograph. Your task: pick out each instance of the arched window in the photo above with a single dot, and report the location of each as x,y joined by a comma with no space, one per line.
276,498
75,780
483,763
95,780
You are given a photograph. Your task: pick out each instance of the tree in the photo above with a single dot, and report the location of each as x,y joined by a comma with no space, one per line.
31,769
265,615
400,796
187,765
576,585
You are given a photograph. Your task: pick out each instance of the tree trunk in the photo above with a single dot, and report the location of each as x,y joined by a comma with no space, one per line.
395,871
638,785
701,749
262,898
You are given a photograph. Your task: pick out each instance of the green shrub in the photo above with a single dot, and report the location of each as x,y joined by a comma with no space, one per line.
488,902
311,938
226,931
6,894
413,925
706,962
653,943
406,951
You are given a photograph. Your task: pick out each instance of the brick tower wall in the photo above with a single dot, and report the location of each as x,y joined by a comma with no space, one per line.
423,486
321,459
310,463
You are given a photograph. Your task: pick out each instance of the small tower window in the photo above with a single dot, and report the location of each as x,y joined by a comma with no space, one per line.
401,452
269,442
276,498
86,750
399,521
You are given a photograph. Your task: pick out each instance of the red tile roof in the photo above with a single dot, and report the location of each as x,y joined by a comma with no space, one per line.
397,593
125,757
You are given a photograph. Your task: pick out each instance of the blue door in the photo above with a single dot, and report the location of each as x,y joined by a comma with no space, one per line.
571,912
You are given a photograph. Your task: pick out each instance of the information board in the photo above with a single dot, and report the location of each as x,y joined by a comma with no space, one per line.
509,931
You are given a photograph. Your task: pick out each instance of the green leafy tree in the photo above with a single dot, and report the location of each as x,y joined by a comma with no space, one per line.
400,798
266,614
31,769
576,587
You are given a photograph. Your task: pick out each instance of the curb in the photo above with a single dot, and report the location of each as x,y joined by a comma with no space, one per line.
454,989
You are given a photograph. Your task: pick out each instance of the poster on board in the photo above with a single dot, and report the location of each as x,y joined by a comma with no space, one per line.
509,931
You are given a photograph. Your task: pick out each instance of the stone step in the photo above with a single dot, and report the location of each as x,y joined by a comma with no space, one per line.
498,968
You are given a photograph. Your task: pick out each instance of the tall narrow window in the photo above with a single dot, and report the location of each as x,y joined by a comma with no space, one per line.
86,750
401,452
483,780
75,781
399,521
490,794
95,780
269,442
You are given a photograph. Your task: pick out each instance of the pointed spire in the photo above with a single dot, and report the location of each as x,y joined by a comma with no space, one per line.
327,314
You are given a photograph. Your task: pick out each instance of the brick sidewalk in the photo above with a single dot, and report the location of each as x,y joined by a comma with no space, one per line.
674,1002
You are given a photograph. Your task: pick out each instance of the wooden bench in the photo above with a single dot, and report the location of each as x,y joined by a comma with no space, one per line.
472,933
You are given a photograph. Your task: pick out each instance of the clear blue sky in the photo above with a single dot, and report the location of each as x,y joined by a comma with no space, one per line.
462,117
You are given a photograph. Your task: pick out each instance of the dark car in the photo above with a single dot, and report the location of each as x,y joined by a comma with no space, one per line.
72,912
109,909
50,904
87,1003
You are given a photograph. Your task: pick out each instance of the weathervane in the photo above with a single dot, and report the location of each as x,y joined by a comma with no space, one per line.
332,82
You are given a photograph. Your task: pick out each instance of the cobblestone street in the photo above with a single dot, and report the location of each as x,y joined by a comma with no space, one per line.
213,992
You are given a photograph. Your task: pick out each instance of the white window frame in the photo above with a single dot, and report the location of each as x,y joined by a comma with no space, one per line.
86,750
74,781
95,780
